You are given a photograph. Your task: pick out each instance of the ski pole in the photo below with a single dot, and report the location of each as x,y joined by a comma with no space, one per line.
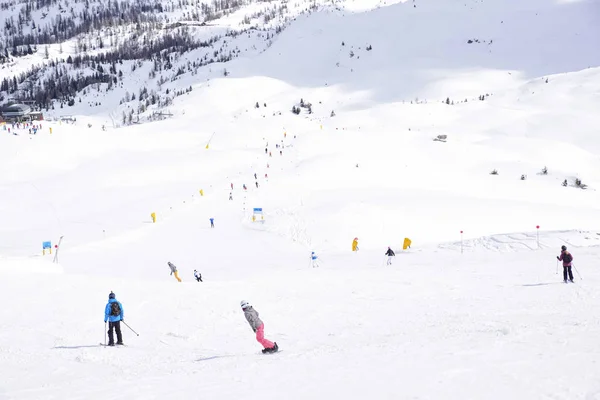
104,333
577,272
130,328
556,267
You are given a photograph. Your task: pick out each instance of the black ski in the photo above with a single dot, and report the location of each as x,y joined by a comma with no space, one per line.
273,352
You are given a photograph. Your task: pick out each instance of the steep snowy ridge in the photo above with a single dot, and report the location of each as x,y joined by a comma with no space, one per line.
476,307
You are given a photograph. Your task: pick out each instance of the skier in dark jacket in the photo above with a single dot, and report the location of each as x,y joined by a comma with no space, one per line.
113,313
389,253
566,258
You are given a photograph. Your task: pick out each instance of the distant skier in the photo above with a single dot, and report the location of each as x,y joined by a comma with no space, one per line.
212,222
198,276
245,188
566,258
314,258
256,184
174,271
389,253
355,244
255,177
113,313
232,186
258,327
230,196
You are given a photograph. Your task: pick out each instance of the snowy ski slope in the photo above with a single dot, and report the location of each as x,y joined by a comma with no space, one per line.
485,318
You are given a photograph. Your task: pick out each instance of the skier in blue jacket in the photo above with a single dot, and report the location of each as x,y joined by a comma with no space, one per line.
113,313
314,258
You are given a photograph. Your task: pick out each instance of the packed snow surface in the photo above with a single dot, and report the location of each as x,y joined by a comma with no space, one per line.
475,309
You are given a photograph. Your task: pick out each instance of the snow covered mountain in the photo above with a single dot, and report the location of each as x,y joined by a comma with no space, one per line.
132,65
63,53
376,120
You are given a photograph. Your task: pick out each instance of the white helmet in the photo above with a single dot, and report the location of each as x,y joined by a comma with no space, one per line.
245,304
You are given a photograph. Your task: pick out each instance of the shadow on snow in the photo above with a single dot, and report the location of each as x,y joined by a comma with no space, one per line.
77,347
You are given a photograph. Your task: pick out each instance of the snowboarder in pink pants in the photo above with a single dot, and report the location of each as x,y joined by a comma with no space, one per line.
258,327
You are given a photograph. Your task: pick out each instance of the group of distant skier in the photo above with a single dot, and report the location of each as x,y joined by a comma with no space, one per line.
389,253
173,268
15,126
244,187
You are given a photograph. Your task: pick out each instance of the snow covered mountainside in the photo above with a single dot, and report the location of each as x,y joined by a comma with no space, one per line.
95,54
454,124
131,67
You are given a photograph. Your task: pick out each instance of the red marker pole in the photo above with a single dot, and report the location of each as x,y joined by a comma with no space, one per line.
57,247
538,235
461,242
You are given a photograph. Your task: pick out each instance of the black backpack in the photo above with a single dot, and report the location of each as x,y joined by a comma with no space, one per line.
567,257
115,310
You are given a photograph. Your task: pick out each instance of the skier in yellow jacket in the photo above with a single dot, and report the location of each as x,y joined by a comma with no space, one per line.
174,271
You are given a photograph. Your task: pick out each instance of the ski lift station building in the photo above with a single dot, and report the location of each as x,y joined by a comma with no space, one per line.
19,112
